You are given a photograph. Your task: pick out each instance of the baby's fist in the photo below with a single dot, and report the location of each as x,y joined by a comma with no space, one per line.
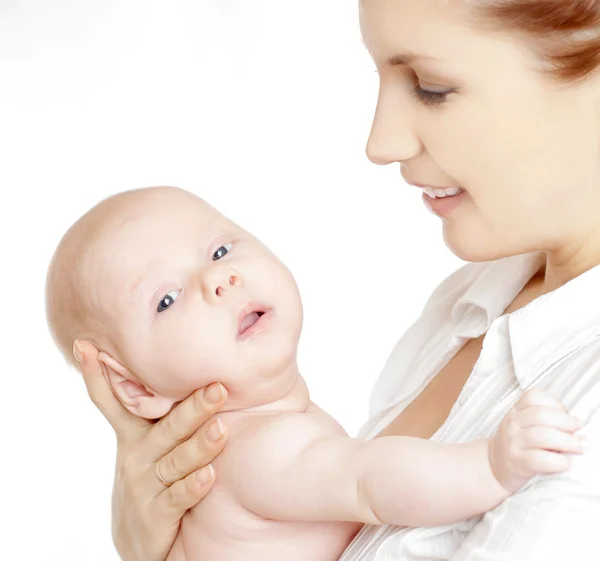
533,439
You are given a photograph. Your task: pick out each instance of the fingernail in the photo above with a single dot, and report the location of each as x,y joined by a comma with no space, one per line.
214,393
205,475
215,431
77,352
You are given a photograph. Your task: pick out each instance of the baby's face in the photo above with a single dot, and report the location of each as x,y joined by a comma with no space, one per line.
192,298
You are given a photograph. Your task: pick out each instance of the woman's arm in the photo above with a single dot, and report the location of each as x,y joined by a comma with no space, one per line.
146,512
554,518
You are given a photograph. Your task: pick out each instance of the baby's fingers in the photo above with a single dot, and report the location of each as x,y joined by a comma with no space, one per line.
545,462
549,439
538,398
543,416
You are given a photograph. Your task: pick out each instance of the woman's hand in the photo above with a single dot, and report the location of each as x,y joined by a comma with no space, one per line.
146,513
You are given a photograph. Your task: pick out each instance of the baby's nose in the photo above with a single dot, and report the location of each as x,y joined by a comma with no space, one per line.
234,280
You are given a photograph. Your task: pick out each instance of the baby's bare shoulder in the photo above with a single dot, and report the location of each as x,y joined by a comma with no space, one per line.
280,435
313,423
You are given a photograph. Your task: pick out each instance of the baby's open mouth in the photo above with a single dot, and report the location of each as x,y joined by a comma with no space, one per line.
249,320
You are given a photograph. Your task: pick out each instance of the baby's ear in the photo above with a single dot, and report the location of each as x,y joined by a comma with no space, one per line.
131,392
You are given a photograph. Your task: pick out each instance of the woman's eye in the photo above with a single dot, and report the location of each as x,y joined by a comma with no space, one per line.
167,301
429,97
222,251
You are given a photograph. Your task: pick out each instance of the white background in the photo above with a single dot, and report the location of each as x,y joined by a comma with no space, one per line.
262,107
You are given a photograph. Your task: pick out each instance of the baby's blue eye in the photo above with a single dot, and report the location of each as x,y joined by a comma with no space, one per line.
222,251
167,301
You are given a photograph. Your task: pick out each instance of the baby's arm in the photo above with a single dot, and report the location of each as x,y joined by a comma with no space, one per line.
296,470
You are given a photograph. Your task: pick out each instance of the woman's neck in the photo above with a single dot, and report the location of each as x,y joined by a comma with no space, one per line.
570,261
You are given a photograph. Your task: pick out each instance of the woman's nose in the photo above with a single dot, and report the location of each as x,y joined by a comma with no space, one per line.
393,137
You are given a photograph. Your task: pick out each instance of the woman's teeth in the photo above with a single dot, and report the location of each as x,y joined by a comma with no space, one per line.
441,193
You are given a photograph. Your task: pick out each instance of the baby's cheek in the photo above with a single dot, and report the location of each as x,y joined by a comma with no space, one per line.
193,349
188,370
180,377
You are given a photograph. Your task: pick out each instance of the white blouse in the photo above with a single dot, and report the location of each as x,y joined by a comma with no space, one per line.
552,343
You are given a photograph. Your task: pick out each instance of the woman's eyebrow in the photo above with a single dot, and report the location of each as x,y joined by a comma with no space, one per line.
402,59
407,58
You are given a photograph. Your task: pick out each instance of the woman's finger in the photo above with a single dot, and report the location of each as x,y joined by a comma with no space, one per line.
124,423
184,420
200,450
172,503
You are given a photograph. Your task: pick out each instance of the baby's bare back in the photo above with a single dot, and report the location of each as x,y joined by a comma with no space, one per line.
221,528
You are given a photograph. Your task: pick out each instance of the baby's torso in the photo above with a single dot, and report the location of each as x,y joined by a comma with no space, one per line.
220,528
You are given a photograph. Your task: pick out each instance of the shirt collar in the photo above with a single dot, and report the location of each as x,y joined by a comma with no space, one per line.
554,325
492,291
542,332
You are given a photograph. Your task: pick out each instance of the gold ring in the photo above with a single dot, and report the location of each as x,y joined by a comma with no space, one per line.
159,476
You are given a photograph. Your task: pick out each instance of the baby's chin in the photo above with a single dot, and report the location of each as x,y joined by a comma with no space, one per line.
262,387
291,396
254,374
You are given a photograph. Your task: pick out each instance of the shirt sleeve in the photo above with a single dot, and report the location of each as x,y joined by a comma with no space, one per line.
554,518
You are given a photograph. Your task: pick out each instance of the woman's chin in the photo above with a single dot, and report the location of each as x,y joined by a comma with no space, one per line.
471,244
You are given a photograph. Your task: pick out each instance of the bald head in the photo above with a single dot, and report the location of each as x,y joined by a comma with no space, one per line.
72,311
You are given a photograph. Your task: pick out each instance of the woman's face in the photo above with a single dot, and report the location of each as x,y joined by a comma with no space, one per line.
466,107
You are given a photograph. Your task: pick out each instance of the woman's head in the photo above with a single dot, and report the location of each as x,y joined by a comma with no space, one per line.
501,98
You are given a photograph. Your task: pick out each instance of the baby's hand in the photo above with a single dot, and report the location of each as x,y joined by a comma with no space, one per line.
533,438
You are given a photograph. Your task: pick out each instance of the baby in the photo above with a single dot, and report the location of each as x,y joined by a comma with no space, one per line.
176,296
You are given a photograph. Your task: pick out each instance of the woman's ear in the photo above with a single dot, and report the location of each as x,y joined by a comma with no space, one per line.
131,392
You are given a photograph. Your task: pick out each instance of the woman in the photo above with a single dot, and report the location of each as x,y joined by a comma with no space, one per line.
493,109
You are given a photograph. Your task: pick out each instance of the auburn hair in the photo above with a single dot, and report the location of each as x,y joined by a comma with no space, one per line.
565,32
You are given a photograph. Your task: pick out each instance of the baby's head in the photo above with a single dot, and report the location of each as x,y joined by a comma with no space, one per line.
175,296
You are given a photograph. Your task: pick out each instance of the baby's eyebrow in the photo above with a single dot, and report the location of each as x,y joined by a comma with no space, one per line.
139,286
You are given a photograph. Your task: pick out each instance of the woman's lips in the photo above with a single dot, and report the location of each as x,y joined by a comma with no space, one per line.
444,206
